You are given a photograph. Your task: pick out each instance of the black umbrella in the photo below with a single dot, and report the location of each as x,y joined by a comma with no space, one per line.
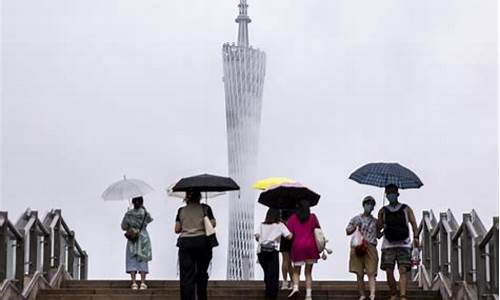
287,195
205,183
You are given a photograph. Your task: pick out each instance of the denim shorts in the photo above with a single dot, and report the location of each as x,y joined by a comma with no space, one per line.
400,255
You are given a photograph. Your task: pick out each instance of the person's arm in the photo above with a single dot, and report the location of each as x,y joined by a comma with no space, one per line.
380,222
414,226
285,232
178,225
316,221
351,227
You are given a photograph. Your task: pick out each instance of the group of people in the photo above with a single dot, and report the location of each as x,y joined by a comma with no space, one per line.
289,232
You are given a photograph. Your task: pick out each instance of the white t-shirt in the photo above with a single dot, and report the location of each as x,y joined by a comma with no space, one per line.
272,233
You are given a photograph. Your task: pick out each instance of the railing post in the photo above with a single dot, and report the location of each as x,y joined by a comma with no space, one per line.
467,244
493,245
480,269
33,245
84,266
71,253
4,238
455,259
436,243
47,243
57,240
19,274
427,243
443,244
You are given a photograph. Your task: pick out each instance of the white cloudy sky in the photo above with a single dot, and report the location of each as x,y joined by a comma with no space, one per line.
93,89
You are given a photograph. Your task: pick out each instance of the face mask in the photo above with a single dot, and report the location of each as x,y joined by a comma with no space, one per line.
368,208
393,198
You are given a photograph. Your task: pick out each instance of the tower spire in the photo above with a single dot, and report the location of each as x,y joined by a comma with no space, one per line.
243,19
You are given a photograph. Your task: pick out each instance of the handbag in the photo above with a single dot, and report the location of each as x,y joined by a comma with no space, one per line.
209,230
359,243
320,238
132,234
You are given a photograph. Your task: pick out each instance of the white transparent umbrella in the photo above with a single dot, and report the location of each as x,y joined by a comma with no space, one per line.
126,189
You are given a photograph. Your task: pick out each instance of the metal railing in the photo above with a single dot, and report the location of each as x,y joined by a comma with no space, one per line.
11,251
456,256
32,246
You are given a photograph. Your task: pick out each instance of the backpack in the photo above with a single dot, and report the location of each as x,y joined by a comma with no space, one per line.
396,224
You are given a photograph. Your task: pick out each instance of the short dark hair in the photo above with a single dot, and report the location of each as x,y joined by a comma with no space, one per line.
391,188
193,197
368,199
137,202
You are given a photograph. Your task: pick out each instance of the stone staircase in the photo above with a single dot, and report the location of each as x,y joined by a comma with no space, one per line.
218,290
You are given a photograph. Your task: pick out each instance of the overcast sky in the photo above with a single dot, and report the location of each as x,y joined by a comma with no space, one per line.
96,89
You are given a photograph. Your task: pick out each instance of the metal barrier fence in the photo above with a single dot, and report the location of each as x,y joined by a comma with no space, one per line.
462,259
31,245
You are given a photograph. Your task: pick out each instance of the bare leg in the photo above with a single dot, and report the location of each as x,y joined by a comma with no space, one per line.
361,284
132,276
371,284
403,280
391,281
296,276
285,269
308,273
143,277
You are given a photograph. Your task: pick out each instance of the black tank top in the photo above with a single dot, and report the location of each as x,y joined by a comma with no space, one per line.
396,224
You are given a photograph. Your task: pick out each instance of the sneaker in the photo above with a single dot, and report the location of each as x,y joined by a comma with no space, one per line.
143,286
372,297
134,286
285,285
293,293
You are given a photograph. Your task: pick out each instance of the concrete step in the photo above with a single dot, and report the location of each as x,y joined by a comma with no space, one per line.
218,290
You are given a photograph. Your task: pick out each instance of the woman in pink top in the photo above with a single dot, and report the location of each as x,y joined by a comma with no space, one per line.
304,249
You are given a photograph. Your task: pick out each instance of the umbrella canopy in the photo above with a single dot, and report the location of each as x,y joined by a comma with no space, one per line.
205,183
182,195
287,195
126,189
383,174
271,181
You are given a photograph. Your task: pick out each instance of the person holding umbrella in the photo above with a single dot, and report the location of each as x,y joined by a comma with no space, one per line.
304,249
393,219
302,224
138,251
194,252
393,222
195,223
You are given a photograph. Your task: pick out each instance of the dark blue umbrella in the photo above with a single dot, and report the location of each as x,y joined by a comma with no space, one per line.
383,174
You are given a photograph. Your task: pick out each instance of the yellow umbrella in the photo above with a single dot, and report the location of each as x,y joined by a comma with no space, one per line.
264,184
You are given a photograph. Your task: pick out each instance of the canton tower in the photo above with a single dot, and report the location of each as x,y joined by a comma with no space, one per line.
244,70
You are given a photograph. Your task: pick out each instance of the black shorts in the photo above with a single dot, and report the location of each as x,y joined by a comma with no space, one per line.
285,245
